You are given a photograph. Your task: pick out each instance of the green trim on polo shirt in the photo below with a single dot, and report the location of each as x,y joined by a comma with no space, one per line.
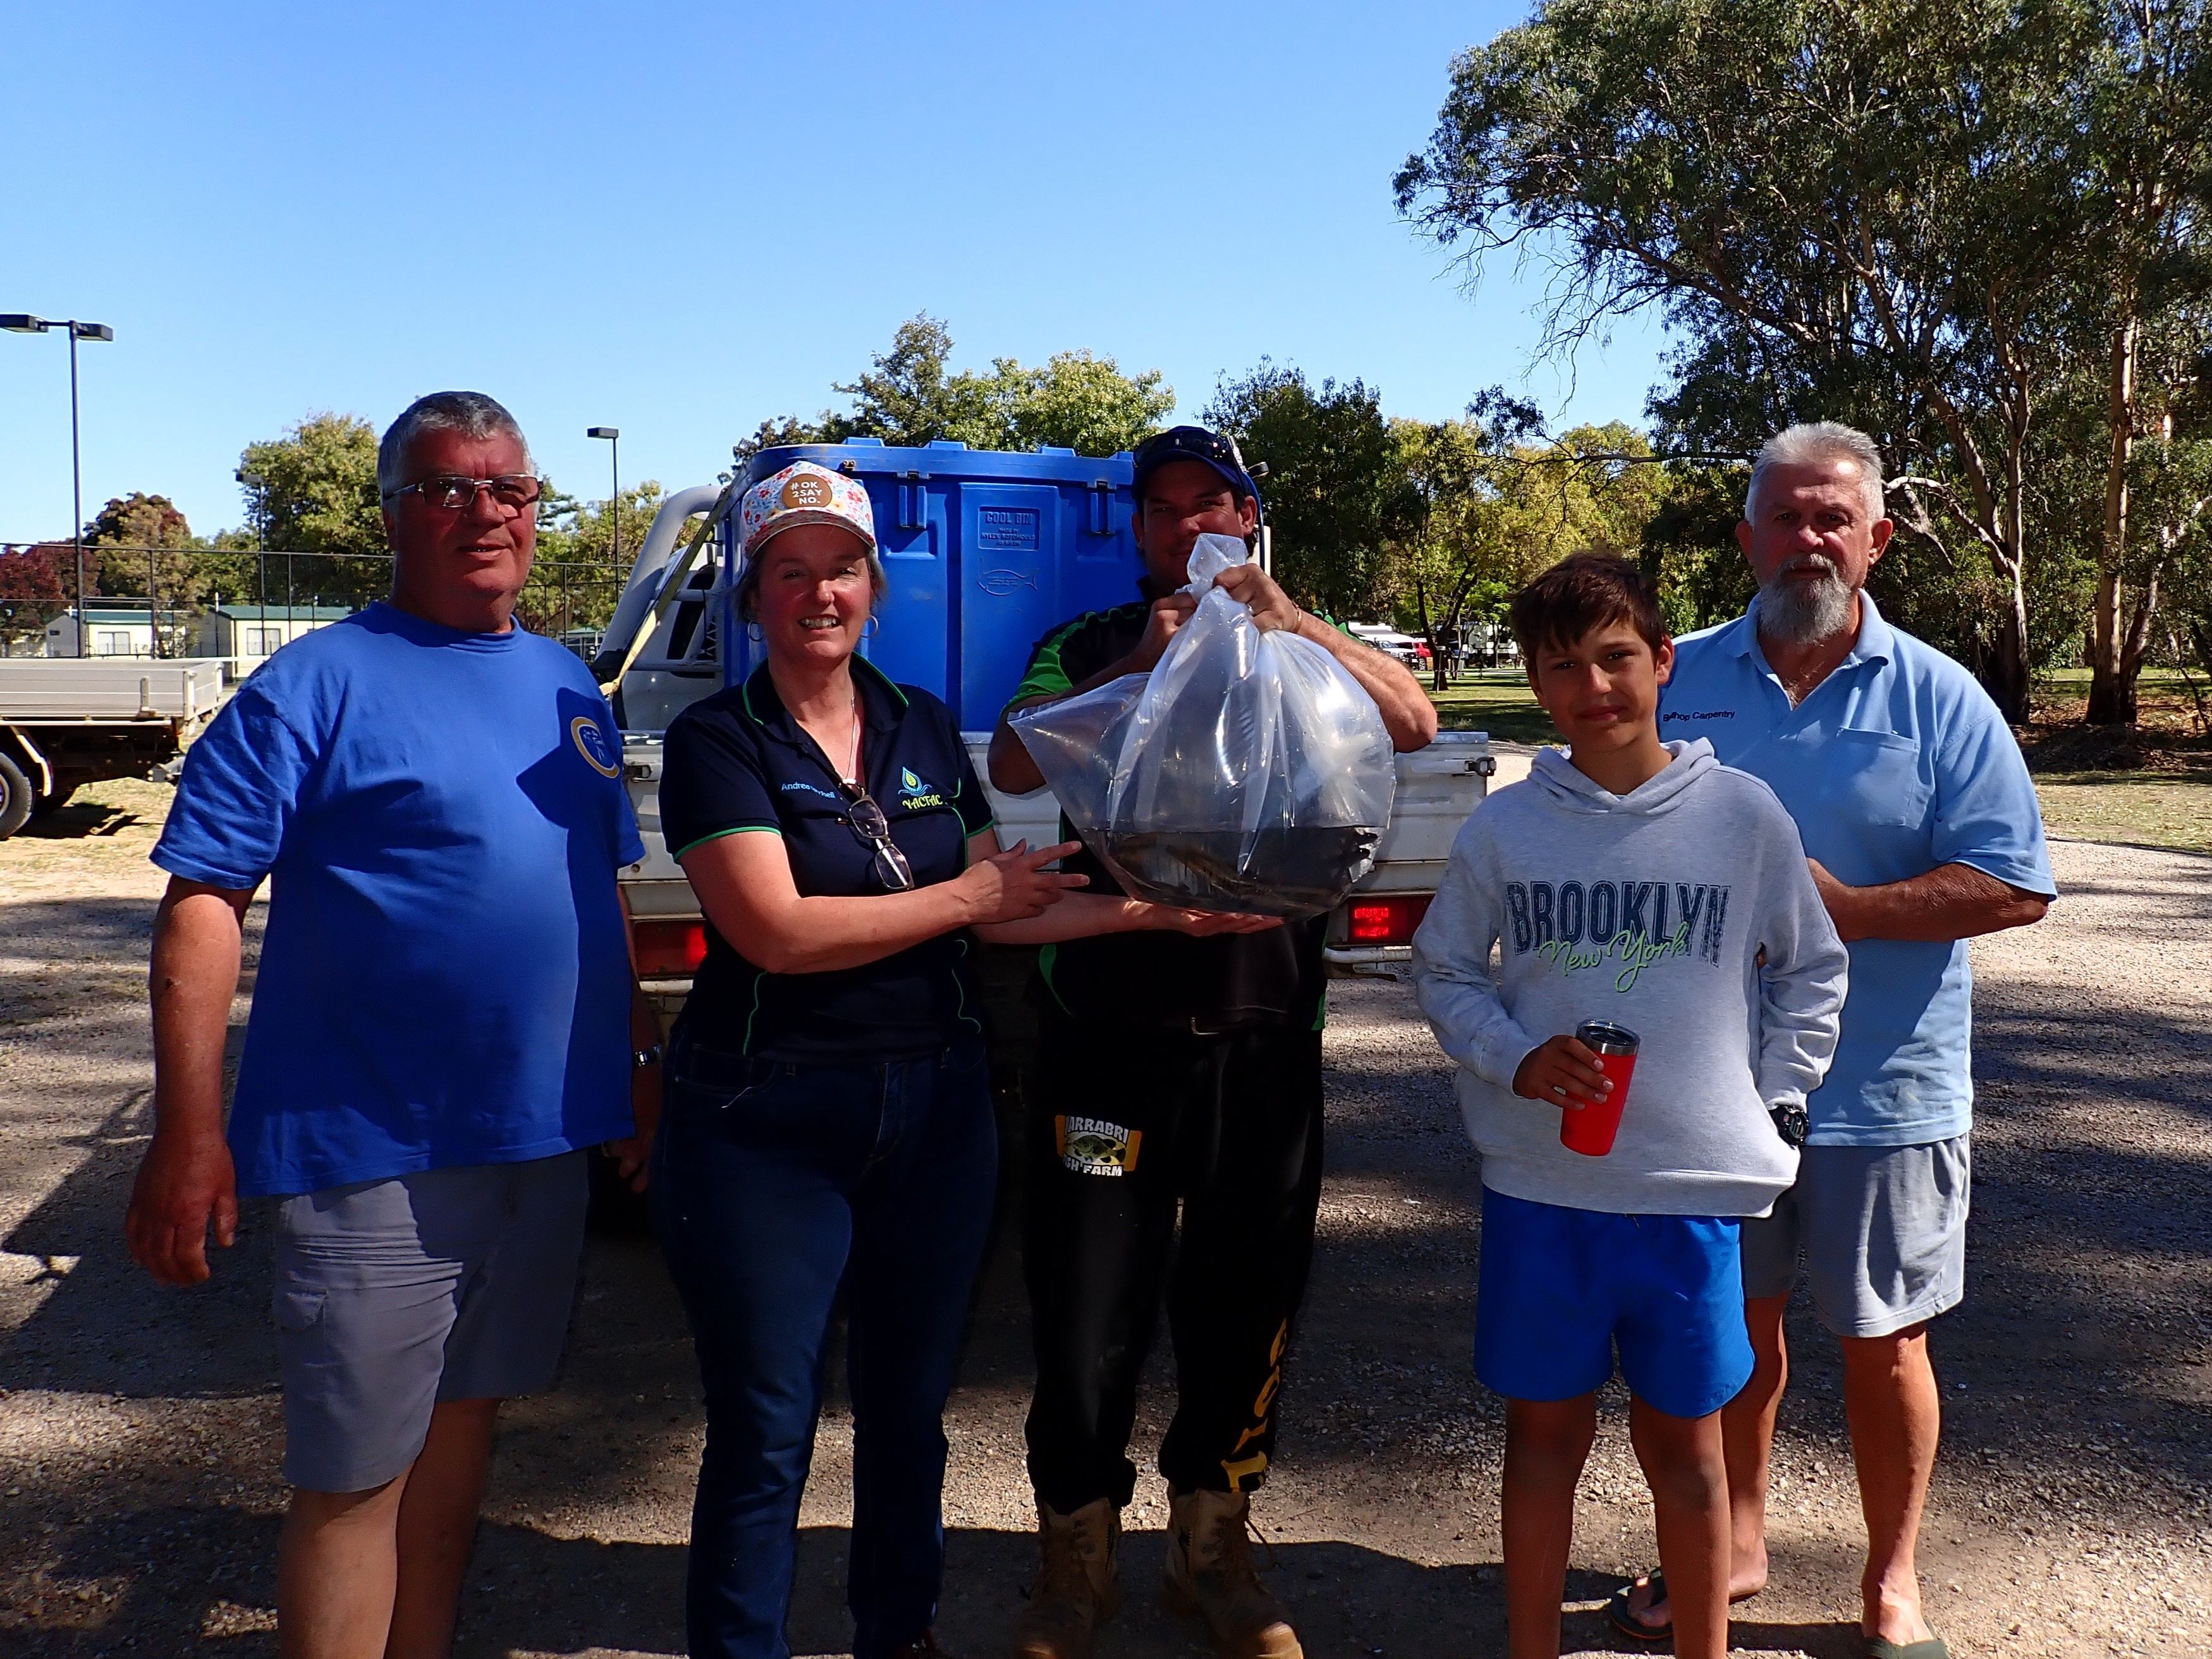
735,829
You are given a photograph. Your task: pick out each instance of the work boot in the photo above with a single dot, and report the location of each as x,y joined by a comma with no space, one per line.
1076,1585
1209,1573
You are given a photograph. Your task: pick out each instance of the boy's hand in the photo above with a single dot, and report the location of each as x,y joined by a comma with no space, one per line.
1561,1072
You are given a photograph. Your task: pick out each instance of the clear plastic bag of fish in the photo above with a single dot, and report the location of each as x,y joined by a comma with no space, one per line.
1248,771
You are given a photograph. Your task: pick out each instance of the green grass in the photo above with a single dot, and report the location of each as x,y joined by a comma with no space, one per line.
2151,681
2145,807
2137,809
1505,707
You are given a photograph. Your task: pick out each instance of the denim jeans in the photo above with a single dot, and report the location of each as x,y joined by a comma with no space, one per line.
773,1184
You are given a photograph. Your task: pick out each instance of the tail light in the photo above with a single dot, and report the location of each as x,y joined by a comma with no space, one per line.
669,950
1388,918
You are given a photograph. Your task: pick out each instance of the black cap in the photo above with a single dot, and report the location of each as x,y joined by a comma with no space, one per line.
1209,449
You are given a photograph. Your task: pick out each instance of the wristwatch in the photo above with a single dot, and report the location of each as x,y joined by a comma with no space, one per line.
1791,1122
641,1058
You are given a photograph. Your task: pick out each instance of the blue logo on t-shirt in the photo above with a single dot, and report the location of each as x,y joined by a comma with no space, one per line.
591,743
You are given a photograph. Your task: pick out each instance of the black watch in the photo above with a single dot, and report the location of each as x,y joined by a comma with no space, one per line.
641,1058
1791,1122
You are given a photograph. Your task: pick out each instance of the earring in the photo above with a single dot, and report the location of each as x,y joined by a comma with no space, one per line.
868,627
753,633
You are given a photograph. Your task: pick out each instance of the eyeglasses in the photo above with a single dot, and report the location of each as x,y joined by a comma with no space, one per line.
452,491
869,823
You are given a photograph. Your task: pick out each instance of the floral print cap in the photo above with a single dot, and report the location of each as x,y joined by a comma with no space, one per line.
803,494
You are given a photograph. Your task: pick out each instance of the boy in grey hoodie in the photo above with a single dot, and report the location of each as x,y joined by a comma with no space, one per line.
1645,885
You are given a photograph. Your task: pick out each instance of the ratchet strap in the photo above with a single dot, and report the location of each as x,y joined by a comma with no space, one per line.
673,578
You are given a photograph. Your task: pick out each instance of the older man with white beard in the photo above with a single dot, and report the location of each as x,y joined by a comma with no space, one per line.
1922,830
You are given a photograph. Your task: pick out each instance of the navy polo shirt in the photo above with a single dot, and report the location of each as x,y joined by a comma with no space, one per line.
1897,763
738,764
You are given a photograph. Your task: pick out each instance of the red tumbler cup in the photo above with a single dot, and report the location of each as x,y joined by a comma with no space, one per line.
1589,1128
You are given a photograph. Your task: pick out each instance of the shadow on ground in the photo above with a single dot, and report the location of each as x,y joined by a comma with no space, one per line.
2069,1278
201,1581
2075,1374
78,819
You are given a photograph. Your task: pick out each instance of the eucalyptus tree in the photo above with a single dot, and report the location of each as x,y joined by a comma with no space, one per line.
317,494
1494,502
1336,485
2144,144
911,395
1879,210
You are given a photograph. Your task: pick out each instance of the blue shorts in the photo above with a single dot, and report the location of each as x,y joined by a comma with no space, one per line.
1561,1287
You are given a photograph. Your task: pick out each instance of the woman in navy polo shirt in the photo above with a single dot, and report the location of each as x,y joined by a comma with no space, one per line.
827,1117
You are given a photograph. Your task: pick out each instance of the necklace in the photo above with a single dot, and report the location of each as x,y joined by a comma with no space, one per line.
853,767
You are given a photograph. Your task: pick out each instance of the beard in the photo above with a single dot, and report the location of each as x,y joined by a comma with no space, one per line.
1792,612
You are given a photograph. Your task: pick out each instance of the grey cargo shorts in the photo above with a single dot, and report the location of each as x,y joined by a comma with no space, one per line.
1882,1232
393,1295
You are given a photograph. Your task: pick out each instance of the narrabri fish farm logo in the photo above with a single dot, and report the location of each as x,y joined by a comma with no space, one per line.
1091,1145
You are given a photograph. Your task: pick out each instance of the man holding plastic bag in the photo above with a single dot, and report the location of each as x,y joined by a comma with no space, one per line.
1186,1072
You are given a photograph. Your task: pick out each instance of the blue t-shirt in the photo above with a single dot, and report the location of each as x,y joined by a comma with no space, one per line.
444,979
1897,763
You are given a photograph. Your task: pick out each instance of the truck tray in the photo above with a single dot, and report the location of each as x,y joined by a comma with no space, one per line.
51,690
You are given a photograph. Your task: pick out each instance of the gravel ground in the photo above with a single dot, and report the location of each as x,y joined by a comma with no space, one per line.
139,1431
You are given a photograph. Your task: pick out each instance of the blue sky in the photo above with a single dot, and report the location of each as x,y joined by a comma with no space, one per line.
681,220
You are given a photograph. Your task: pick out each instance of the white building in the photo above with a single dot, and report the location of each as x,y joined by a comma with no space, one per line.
247,636
112,628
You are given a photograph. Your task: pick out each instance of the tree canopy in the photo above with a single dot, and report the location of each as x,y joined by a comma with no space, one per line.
318,495
579,572
1497,502
141,544
1335,487
1930,218
31,591
907,395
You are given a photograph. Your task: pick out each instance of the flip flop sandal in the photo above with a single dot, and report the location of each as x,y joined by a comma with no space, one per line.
1622,1618
1881,1647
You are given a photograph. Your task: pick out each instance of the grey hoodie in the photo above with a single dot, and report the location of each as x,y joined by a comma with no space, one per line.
1648,909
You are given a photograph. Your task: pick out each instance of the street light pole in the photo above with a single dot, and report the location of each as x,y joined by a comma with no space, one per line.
613,435
255,482
24,322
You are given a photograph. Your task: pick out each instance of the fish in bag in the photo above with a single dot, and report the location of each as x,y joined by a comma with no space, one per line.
1248,771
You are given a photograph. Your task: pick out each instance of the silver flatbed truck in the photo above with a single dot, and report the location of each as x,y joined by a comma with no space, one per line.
67,722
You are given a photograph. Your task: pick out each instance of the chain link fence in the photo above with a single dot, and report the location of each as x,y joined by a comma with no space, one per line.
240,604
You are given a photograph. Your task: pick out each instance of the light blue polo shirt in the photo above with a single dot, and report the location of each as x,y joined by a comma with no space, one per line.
1897,763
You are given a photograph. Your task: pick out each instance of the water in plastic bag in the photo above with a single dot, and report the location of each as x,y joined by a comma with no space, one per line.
1248,771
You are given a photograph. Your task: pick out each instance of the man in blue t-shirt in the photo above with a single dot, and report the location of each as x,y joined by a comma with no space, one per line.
444,1019
1923,830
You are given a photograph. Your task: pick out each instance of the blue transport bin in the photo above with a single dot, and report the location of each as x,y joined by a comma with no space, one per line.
985,551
